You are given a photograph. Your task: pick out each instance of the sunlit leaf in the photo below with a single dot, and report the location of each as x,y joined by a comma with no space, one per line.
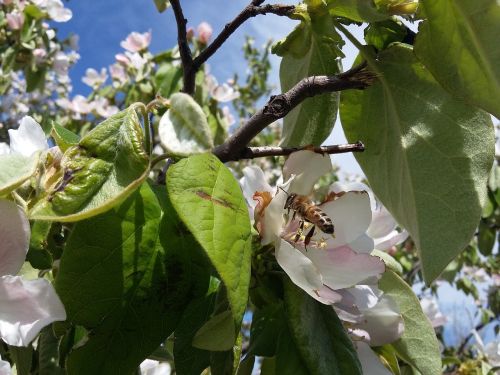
415,133
458,43
356,10
106,166
15,169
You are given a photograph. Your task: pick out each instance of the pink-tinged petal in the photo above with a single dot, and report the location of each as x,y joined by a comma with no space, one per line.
382,223
26,307
344,268
364,244
28,138
253,180
383,322
392,239
5,367
308,167
14,238
351,215
370,362
303,273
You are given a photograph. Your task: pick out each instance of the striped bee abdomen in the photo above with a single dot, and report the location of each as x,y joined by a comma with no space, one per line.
316,216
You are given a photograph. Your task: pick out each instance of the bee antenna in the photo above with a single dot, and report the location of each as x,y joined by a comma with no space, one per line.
284,191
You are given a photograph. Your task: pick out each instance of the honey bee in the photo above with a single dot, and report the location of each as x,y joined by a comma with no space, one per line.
308,212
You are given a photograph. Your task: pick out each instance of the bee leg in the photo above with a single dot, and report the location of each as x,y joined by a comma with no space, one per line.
309,236
299,231
293,216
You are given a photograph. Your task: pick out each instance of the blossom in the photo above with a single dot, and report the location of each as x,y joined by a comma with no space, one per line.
28,138
222,93
103,108
61,63
15,20
152,367
490,351
228,116
55,9
79,105
136,42
430,308
5,367
335,270
118,73
93,78
204,32
26,306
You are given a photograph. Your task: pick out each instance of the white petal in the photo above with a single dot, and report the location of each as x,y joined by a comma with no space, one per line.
308,167
369,360
26,307
430,308
351,215
28,138
392,239
383,322
5,367
364,244
344,268
253,180
152,367
4,148
303,272
273,216
14,237
382,223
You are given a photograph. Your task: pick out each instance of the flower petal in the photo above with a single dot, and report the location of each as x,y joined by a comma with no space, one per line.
303,273
383,322
369,360
4,148
308,167
28,138
272,222
351,215
253,180
364,244
392,239
27,307
382,223
342,267
15,237
152,367
5,367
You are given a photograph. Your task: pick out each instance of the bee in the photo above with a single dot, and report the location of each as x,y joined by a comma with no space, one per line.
308,212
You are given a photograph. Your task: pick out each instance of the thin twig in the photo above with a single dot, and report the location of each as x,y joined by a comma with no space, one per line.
184,50
190,65
259,152
280,105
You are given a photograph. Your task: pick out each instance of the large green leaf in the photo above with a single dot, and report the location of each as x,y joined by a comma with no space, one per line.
126,276
209,201
356,10
106,166
427,155
418,346
319,335
313,48
184,128
16,169
459,44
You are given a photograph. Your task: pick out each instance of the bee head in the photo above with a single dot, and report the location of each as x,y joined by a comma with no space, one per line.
289,200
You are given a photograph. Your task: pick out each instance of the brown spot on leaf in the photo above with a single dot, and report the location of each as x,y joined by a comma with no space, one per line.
208,197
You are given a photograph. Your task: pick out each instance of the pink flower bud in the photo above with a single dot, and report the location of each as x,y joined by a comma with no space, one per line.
204,32
15,20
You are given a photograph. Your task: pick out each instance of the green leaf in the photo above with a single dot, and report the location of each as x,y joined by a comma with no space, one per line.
48,356
389,261
319,335
288,358
15,169
64,138
168,79
267,325
313,48
218,334
23,358
382,34
33,11
415,133
38,256
188,359
126,276
418,346
106,166
486,238
184,129
356,10
209,201
162,5
458,43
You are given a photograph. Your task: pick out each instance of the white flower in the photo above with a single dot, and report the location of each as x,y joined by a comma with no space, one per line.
61,63
28,138
93,78
5,367
55,9
224,93
204,32
26,306
228,116
151,367
136,60
430,308
491,350
103,108
136,42
79,105
118,73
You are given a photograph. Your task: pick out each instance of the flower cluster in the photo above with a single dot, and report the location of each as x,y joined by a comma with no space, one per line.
336,270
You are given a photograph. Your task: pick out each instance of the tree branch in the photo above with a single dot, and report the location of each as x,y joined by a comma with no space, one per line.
191,66
260,152
184,50
280,105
